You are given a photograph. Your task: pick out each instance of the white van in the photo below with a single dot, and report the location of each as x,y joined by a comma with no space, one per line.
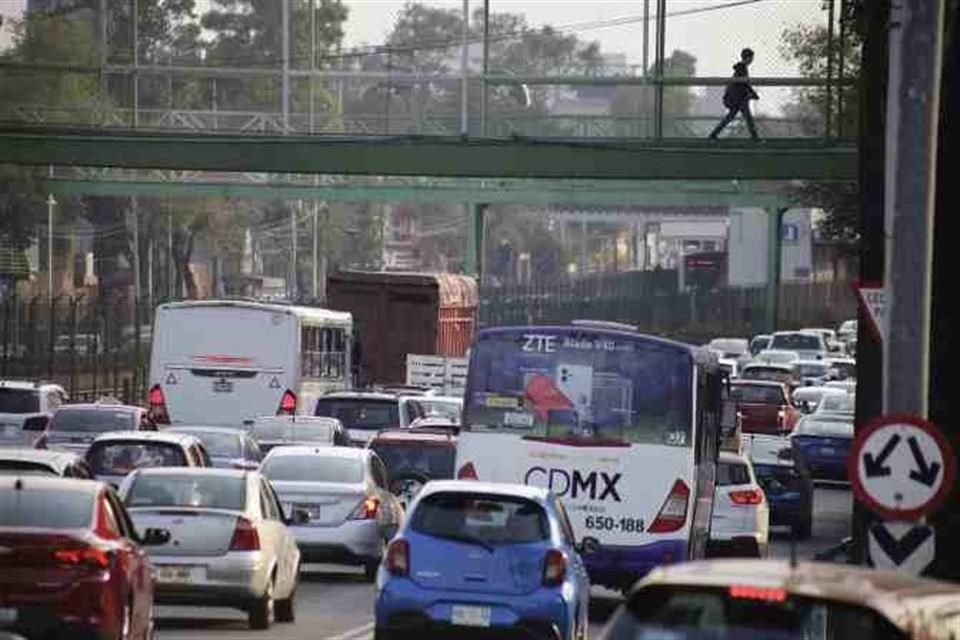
226,362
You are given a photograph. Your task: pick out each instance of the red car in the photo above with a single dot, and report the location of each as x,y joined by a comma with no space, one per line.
71,563
764,406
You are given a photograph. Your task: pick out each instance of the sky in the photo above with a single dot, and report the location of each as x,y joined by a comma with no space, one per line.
713,37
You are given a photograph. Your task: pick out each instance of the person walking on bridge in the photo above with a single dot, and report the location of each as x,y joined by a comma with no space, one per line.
737,97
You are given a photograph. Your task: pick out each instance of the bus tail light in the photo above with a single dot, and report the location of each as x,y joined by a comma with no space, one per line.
157,402
673,513
554,568
467,472
288,404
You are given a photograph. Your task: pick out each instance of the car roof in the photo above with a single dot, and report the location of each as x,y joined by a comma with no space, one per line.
903,599
810,361
360,395
193,430
420,434
100,406
44,456
201,471
51,483
493,488
347,453
169,437
29,385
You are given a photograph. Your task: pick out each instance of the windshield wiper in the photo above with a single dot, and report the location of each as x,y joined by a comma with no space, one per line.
468,539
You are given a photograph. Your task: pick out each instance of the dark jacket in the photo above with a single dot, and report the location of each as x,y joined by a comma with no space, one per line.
738,93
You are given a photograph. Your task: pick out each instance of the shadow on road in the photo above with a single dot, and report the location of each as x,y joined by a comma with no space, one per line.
220,624
323,573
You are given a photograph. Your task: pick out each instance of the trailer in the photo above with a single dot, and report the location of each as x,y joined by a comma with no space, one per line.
401,313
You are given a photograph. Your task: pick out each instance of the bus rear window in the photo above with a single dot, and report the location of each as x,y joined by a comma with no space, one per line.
581,385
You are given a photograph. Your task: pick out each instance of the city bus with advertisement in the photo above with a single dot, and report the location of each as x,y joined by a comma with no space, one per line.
624,427
227,362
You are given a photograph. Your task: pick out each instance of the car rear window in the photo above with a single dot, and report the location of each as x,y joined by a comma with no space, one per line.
436,461
22,467
93,420
19,401
729,473
821,426
361,413
742,611
489,519
838,403
757,394
801,341
193,490
294,468
47,508
122,457
223,445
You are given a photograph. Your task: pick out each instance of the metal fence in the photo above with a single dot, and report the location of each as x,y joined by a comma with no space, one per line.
651,301
92,346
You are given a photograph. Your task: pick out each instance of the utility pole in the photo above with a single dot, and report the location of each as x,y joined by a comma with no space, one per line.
464,68
285,20
913,111
293,249
646,37
171,272
316,254
51,203
486,67
135,214
136,63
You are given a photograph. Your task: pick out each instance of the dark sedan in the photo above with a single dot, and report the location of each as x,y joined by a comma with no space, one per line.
823,438
71,563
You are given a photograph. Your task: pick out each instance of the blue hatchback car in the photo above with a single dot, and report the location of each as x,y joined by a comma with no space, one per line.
487,558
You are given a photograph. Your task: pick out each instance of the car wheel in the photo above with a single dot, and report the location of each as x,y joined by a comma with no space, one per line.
286,609
261,613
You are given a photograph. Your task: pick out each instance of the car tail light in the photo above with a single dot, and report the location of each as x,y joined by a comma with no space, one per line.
245,536
102,522
86,556
366,510
157,402
673,513
398,558
554,568
747,496
467,472
288,404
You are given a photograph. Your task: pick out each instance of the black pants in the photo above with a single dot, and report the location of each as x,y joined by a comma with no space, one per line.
727,119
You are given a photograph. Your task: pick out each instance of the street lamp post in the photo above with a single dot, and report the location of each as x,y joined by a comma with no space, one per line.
51,203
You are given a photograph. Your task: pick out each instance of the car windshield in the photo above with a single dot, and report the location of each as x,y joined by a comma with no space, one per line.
46,508
93,420
193,490
361,413
25,467
19,400
759,343
757,394
218,444
432,460
439,408
800,341
824,426
742,612
581,385
489,519
314,468
837,403
122,457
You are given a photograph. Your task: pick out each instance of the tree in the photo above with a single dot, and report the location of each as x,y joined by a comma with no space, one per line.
640,102
809,46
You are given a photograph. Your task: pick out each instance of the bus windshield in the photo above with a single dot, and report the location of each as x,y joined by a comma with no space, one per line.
580,384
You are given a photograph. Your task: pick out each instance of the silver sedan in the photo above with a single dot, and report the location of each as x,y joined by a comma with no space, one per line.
229,542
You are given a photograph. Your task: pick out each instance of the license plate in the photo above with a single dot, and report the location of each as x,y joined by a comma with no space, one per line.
223,386
828,451
185,574
7,615
470,616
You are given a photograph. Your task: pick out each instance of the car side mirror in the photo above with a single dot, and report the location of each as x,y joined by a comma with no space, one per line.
36,423
587,546
154,537
298,518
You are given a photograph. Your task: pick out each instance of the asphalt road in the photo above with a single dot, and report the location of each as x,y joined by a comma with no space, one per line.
335,603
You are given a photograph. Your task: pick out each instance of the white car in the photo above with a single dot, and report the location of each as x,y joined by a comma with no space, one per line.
777,356
740,525
808,345
345,492
813,372
807,398
25,409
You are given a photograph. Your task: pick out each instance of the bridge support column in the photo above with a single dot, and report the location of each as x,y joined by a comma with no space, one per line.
473,262
774,226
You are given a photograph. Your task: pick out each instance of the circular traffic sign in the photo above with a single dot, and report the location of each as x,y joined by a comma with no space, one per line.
901,467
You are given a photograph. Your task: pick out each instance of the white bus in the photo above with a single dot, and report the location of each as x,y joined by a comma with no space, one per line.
624,427
226,362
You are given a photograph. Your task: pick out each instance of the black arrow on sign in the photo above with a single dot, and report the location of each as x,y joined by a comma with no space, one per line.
924,475
900,550
874,466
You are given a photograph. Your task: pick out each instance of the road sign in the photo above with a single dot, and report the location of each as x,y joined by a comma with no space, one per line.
901,546
874,300
900,467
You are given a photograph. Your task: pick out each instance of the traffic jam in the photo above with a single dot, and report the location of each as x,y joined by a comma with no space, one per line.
496,481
